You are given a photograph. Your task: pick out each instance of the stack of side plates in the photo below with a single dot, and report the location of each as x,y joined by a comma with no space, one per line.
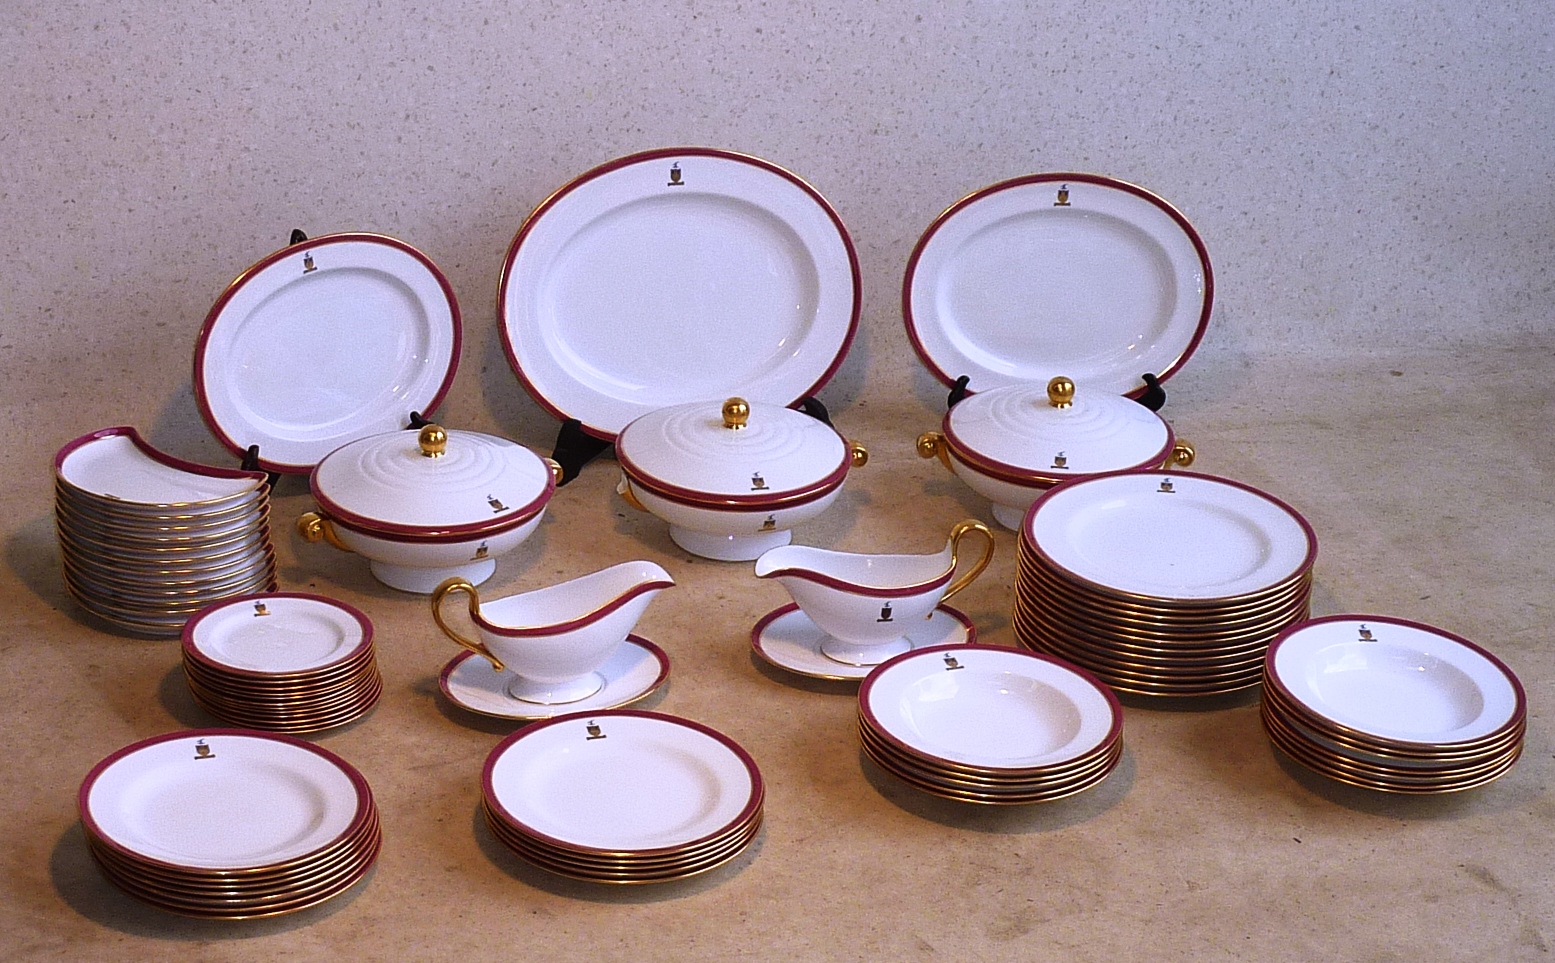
226,824
1162,584
1392,705
147,540
284,662
986,724
622,796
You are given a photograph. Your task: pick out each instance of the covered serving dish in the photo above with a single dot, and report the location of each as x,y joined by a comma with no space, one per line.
428,506
732,480
1011,444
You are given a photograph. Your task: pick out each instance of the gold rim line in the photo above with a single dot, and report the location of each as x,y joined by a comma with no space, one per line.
961,530
450,586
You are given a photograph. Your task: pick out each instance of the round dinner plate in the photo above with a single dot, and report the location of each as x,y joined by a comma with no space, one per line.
324,342
118,467
621,781
989,707
1058,274
673,276
1396,681
222,800
1182,536
277,635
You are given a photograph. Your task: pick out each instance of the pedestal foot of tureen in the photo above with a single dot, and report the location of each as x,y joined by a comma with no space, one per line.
729,548
423,581
1009,516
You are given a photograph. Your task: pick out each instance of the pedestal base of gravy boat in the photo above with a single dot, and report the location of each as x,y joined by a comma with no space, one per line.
422,581
852,653
555,693
729,548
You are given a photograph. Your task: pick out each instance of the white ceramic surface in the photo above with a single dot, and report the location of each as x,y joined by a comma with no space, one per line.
244,800
555,640
1395,680
635,670
788,639
277,633
621,781
1174,536
117,465
674,276
988,707
323,342
1058,274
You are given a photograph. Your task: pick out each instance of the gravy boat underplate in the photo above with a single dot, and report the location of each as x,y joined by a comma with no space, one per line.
555,639
866,603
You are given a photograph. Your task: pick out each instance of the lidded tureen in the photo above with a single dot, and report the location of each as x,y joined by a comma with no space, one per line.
1011,444
428,506
732,480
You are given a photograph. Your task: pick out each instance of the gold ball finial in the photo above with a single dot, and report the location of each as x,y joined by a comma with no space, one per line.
737,411
1060,392
433,441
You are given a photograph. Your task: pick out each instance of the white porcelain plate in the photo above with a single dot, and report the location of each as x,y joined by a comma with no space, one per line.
1058,274
325,342
675,276
116,465
223,799
277,633
989,707
1396,680
788,639
633,672
1177,536
621,781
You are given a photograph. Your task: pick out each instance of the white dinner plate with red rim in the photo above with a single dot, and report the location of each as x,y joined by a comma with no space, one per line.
324,342
673,276
277,634
1067,274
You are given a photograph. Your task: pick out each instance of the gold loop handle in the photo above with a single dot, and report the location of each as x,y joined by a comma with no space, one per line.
624,489
931,444
314,527
1182,455
450,586
956,535
555,467
858,455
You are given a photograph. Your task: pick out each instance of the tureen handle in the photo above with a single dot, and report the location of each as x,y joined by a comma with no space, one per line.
314,527
931,444
858,455
624,489
1182,455
956,535
450,586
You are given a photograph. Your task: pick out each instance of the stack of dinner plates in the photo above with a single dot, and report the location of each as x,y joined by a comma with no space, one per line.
147,540
1169,584
226,824
1392,705
622,796
285,662
987,724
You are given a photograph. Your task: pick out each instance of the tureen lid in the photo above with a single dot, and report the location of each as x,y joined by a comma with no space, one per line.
1026,432
435,483
736,455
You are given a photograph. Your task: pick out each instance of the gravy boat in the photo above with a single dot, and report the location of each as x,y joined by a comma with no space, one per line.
867,603
555,639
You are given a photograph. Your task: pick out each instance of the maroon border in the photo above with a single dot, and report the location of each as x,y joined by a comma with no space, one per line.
1031,542
749,811
653,650
364,794
291,250
1068,177
1114,733
193,652
772,501
528,632
1031,478
643,157
868,591
1519,714
161,456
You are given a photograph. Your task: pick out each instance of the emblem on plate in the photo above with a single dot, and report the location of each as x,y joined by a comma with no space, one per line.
1366,635
1063,197
202,751
594,732
496,504
1060,461
1166,486
675,180
951,662
768,524
308,267
260,609
885,613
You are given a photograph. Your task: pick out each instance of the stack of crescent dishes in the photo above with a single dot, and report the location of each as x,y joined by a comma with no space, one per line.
622,796
284,662
227,824
1392,705
1169,584
147,540
987,724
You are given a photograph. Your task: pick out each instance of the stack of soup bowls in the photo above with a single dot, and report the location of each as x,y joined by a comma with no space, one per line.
987,724
284,662
1162,584
622,796
227,824
1392,705
147,540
